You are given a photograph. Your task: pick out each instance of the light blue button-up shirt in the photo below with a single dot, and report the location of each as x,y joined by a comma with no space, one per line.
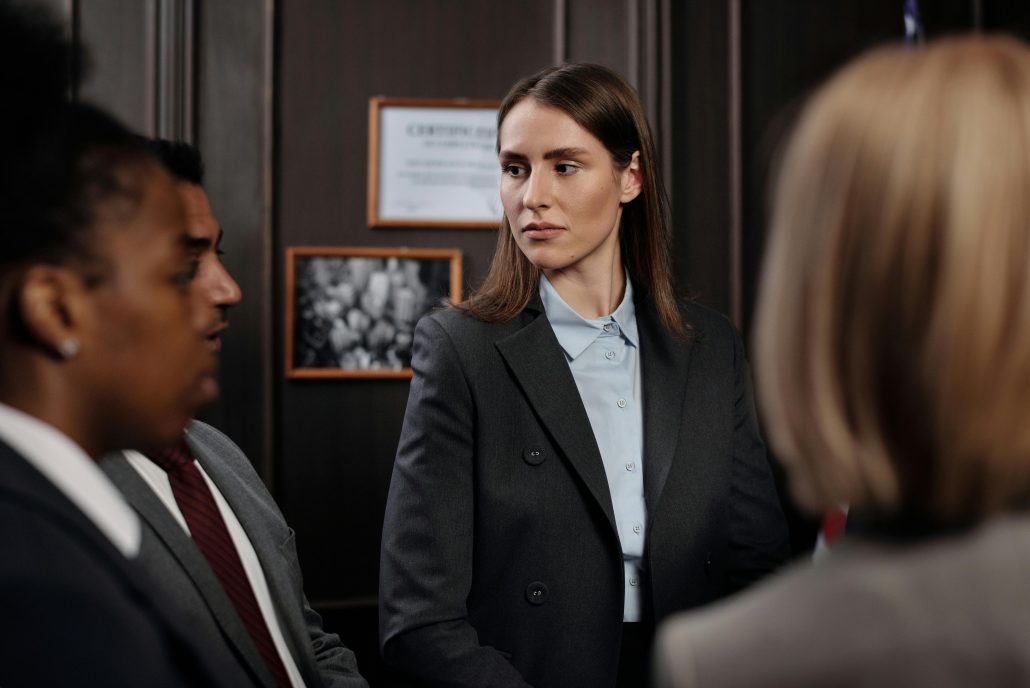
604,356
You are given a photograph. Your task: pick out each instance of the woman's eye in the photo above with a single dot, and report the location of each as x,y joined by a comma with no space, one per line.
513,170
565,168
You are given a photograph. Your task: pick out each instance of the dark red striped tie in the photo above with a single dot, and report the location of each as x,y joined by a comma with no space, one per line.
212,538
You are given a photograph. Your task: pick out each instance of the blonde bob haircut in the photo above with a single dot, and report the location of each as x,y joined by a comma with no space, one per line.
893,324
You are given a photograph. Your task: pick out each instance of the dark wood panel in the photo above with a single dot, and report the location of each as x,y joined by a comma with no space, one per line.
1008,16
234,111
699,185
603,32
121,35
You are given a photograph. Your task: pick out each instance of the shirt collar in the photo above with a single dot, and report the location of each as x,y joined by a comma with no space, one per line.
78,477
575,333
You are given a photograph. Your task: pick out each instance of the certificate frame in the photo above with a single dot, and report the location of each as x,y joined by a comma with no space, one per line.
320,294
432,162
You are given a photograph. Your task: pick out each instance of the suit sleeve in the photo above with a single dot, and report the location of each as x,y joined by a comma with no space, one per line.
427,558
337,666
759,541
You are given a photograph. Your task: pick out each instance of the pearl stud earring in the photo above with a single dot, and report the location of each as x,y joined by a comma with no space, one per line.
68,348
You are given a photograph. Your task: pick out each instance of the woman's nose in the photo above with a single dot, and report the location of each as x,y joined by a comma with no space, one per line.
538,192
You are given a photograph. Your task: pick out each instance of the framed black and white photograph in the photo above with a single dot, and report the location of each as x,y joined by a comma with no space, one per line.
433,163
351,312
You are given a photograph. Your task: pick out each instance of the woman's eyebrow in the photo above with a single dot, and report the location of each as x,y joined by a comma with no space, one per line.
555,154
511,155
564,153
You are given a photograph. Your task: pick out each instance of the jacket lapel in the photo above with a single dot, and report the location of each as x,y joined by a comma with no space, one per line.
539,366
267,546
665,364
168,532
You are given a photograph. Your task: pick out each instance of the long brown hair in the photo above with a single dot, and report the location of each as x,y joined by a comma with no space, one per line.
603,103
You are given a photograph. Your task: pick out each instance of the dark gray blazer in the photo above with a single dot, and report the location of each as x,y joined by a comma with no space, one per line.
171,558
501,563
73,610
949,613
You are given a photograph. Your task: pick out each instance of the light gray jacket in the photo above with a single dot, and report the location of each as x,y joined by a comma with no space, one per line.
948,612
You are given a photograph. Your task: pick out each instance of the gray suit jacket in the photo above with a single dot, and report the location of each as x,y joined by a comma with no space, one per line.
501,563
170,556
953,612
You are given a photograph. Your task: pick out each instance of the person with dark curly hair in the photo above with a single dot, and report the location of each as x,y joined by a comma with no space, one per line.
101,347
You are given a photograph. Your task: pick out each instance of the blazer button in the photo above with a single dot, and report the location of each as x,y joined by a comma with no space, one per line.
534,457
536,592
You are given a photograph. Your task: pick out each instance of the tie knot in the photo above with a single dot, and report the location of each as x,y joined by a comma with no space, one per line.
173,457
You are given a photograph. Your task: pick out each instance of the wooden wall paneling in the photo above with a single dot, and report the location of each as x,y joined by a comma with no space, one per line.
174,114
1008,16
141,54
699,135
603,32
121,40
234,109
559,31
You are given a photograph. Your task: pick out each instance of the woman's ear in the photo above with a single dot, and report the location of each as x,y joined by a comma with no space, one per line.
630,179
50,306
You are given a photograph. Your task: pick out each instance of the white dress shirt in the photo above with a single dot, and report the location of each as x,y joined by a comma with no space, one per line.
77,476
156,477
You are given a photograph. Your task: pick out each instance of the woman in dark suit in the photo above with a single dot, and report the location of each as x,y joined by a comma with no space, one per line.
579,455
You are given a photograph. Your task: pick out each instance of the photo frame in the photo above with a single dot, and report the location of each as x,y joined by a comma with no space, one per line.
433,163
351,312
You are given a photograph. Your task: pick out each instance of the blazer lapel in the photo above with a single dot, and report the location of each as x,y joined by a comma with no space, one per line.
267,546
538,364
665,364
168,531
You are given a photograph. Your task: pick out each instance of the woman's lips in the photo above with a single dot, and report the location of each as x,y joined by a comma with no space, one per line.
540,231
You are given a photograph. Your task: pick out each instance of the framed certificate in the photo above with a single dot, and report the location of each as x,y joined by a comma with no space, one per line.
433,163
351,312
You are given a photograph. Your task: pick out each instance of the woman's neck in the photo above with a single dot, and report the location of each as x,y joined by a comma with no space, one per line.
592,293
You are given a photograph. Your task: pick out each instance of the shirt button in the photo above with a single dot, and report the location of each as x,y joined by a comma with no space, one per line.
630,466
608,327
633,581
609,355
636,529
621,403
